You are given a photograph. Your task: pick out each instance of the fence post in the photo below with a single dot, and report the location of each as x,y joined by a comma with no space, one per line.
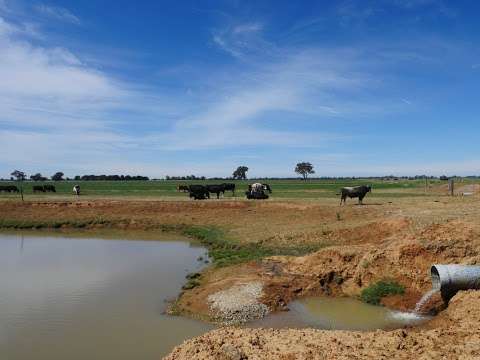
451,186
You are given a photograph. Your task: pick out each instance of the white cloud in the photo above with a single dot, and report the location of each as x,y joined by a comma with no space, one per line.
58,13
300,83
49,86
410,4
247,28
55,109
243,40
35,71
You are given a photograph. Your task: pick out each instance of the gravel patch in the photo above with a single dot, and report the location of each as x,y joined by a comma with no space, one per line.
239,304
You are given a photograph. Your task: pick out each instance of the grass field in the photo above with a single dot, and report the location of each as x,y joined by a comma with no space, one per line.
310,189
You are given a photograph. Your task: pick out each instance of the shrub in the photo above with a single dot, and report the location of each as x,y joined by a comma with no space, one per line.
375,292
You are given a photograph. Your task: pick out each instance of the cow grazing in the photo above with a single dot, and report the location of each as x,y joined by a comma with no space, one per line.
229,187
49,188
198,192
267,187
355,192
38,188
76,190
13,188
9,188
216,189
182,188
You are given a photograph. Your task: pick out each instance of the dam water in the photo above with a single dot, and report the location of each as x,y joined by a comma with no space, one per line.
66,298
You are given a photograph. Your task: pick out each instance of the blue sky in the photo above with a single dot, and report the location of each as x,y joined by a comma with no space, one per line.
200,87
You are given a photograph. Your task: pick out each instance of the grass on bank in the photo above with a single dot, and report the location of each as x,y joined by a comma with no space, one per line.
221,249
225,251
374,293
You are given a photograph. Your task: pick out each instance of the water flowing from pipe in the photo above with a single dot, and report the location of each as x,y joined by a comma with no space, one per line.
421,303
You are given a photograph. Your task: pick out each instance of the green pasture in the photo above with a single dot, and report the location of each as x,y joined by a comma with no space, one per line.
309,189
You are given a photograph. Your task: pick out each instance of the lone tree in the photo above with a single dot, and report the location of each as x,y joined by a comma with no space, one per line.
20,176
304,169
58,176
240,173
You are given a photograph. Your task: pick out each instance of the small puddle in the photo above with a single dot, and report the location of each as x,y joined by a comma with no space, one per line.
339,314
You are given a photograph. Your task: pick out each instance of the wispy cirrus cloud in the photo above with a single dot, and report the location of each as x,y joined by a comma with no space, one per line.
247,28
58,13
243,40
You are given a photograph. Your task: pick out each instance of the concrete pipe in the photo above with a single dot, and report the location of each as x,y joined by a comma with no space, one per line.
451,278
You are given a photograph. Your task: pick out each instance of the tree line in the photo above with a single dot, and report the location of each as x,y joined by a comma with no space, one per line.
59,176
304,169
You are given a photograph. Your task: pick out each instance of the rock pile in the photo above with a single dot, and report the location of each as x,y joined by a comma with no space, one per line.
238,304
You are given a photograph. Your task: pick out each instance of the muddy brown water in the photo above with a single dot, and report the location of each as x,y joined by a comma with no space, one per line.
339,314
90,298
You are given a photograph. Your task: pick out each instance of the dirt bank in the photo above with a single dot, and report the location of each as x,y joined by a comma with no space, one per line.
454,334
390,250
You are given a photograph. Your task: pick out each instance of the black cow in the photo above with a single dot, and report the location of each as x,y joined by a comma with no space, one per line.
198,192
229,187
49,188
37,188
9,188
355,192
216,189
182,188
12,188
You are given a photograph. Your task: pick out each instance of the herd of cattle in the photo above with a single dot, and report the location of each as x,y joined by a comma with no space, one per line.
9,188
201,192
261,191
43,188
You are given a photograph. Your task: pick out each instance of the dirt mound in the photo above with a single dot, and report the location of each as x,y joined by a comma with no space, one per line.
389,251
453,335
